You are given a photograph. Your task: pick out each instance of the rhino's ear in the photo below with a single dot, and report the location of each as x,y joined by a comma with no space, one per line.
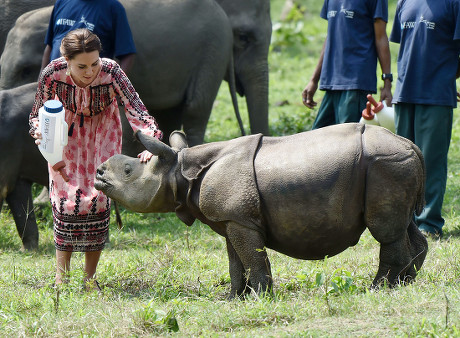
178,140
155,146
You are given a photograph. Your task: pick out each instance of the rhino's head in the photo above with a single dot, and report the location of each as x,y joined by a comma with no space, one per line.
143,187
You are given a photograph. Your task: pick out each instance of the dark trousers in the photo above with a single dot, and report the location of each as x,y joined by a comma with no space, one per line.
430,128
340,106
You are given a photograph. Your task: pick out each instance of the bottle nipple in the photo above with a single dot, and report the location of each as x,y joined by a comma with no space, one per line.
367,113
60,167
378,106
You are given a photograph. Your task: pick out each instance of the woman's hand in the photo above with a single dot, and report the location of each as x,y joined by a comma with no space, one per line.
37,136
145,156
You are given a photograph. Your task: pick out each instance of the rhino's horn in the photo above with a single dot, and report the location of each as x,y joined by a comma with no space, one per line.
155,146
178,140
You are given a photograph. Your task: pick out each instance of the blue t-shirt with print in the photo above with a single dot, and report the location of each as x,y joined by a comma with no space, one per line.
428,32
106,18
350,55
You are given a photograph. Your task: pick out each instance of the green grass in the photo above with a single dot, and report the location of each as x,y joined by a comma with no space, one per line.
159,275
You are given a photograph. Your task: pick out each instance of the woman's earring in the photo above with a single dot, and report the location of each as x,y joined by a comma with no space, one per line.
67,71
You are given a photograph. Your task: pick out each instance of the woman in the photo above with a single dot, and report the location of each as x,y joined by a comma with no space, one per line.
87,87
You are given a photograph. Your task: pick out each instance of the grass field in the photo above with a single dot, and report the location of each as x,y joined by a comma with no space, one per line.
161,278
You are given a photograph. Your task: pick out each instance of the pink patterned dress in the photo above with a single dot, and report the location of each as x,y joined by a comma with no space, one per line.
81,214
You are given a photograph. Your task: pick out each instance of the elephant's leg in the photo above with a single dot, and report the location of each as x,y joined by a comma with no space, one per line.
249,245
236,269
396,263
200,98
20,203
195,120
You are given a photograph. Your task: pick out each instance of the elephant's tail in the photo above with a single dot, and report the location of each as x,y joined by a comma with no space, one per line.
232,88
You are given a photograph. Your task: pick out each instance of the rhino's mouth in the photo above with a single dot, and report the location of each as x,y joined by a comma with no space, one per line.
101,183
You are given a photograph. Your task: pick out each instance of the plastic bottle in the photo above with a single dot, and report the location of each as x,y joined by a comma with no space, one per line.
368,116
53,127
386,115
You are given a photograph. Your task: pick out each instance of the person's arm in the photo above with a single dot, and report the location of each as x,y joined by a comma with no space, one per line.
126,62
383,53
312,86
135,110
457,75
46,57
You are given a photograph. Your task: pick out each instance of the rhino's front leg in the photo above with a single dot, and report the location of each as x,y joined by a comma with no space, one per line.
249,246
236,269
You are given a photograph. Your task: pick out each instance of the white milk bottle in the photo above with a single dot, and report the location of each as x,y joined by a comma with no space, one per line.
386,115
52,125
368,116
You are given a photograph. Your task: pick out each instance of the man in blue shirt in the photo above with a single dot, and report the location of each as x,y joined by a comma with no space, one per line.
106,18
428,32
356,38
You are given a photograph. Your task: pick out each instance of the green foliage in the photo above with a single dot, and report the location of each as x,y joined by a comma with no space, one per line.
288,124
289,32
157,321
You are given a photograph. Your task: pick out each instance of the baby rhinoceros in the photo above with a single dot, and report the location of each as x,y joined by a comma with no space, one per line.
308,195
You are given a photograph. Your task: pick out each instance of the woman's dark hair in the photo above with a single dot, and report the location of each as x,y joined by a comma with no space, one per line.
79,41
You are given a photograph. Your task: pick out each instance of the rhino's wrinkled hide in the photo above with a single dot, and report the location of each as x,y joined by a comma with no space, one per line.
202,167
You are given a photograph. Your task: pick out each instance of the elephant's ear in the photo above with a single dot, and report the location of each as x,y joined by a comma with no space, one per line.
156,147
178,140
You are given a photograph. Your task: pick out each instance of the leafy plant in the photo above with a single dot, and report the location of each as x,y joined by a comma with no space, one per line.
290,31
156,320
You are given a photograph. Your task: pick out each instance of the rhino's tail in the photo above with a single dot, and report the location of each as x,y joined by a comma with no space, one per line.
420,204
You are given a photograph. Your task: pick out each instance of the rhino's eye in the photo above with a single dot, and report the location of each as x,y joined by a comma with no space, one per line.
128,169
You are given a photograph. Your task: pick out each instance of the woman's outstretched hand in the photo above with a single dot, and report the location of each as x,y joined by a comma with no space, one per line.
145,156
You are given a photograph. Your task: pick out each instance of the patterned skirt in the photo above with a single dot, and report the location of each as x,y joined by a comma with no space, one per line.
82,232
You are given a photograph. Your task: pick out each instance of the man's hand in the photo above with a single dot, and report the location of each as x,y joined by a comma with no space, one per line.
308,93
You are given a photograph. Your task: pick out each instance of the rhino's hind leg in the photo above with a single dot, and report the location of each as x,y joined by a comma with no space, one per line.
400,260
419,245
395,261
248,260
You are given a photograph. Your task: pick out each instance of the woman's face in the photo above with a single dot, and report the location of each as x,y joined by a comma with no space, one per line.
84,67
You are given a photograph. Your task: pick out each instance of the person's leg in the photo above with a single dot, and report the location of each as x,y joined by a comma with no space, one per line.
404,120
62,265
433,130
326,114
350,106
91,261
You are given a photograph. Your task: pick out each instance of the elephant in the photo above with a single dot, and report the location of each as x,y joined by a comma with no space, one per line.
252,31
10,10
307,195
21,162
180,63
177,84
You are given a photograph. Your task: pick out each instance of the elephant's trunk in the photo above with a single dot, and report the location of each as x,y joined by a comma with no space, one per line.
256,92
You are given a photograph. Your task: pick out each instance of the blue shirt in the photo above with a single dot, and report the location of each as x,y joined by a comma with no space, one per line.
106,18
350,55
428,32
